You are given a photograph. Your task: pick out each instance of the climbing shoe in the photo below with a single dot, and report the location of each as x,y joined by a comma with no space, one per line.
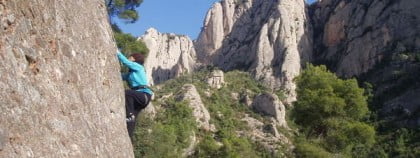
130,118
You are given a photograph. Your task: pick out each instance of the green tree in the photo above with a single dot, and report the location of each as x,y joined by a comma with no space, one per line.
321,96
330,110
124,9
128,43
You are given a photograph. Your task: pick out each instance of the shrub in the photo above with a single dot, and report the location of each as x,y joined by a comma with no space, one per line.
321,95
168,134
307,150
330,110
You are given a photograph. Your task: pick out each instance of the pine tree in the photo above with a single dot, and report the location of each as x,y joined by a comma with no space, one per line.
124,9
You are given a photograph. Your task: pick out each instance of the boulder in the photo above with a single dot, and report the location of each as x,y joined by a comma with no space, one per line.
216,79
200,112
270,104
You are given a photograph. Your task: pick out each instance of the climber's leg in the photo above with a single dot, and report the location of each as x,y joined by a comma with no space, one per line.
130,101
143,100
130,128
137,101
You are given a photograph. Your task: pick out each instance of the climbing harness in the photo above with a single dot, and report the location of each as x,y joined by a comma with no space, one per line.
141,87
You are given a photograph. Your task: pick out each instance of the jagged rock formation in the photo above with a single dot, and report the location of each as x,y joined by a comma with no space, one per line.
270,104
270,38
216,79
200,112
61,92
170,55
354,36
358,38
377,41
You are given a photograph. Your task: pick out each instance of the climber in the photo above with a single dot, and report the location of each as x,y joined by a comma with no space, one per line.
139,95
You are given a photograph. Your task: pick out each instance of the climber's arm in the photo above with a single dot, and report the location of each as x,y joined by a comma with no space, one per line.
131,65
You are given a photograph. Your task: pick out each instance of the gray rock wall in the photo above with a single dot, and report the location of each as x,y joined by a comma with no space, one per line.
61,94
200,112
170,55
269,38
376,41
351,37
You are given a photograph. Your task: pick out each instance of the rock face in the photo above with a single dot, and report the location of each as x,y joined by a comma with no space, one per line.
216,79
273,38
376,41
406,106
270,104
61,94
170,55
354,36
269,38
200,112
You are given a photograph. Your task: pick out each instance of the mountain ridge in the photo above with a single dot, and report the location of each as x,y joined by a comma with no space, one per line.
274,39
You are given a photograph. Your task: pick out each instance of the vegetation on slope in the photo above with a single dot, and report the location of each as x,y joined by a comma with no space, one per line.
330,114
331,119
125,10
169,133
128,43
399,73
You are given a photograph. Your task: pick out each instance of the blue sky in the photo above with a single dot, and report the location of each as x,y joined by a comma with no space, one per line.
175,16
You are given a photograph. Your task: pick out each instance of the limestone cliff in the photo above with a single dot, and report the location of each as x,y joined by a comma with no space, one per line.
354,36
269,38
376,41
61,94
170,55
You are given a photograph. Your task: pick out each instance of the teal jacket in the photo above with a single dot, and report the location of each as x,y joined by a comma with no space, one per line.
136,76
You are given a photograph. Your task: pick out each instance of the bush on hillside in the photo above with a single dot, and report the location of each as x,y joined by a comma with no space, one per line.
168,134
330,110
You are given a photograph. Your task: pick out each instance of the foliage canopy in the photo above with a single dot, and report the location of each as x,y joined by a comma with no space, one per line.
124,9
330,110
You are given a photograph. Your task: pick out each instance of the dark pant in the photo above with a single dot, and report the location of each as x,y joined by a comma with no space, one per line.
135,101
